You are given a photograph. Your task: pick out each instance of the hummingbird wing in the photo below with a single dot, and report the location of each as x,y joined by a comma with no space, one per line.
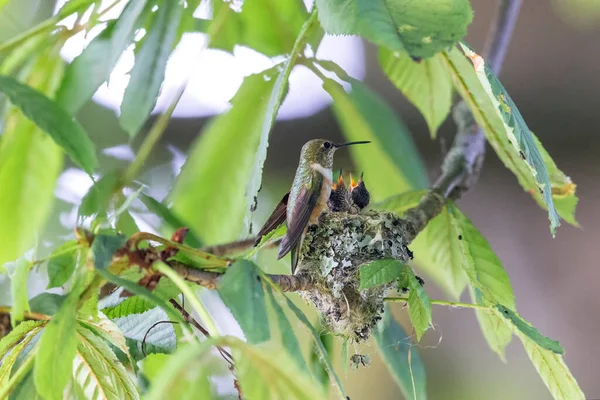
296,226
277,218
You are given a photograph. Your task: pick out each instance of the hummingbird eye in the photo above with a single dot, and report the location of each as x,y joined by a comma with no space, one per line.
327,145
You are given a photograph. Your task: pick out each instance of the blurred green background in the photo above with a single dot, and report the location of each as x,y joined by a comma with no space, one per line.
552,73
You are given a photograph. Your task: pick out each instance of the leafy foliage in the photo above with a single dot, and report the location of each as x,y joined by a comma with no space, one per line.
380,272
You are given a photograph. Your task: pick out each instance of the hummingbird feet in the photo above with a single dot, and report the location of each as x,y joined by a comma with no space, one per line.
351,200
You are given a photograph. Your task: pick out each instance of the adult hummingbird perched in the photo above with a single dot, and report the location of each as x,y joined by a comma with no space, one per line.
307,199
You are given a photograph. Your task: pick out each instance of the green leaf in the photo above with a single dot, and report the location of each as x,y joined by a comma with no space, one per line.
288,337
318,370
93,67
426,84
380,272
98,198
401,357
62,263
18,272
104,247
46,303
16,336
54,364
98,371
528,330
553,371
391,162
242,292
400,203
224,157
54,120
419,305
148,71
421,28
170,219
15,345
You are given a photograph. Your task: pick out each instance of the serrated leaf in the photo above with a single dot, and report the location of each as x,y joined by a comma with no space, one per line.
93,66
401,357
380,272
363,115
288,337
62,263
108,331
497,333
98,372
18,272
148,71
46,303
421,28
426,84
104,247
54,364
553,371
223,158
242,292
14,347
419,305
98,198
54,120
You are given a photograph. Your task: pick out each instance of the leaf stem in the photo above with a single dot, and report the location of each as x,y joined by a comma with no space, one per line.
454,304
28,315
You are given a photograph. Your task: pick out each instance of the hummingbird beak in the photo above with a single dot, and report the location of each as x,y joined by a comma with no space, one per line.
337,146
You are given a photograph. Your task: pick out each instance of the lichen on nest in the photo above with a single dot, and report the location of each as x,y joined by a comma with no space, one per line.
331,255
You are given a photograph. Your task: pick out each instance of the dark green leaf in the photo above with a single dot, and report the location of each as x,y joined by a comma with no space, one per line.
401,357
148,71
241,290
528,330
62,263
391,162
426,84
98,198
46,303
419,305
288,337
54,120
92,68
380,272
104,247
421,28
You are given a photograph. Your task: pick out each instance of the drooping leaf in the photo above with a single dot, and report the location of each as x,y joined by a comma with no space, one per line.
316,366
46,303
18,272
528,330
392,154
62,263
419,305
223,159
52,119
98,371
107,330
401,357
14,346
242,292
380,272
420,28
425,84
93,67
104,247
288,337
54,364
148,71
98,198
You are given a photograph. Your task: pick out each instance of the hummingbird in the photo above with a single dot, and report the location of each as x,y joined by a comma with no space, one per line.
308,197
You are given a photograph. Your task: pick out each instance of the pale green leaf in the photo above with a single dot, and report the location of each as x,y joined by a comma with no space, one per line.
401,357
400,203
223,159
14,347
242,292
98,372
497,333
380,272
421,28
97,200
148,71
104,247
54,120
107,330
93,67
419,305
62,263
391,162
318,370
18,272
426,84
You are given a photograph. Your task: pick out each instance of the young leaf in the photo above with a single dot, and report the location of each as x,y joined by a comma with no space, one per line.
98,198
16,335
54,364
363,115
400,203
17,347
104,247
426,84
528,330
288,337
18,272
54,120
62,263
148,71
419,305
421,28
380,272
401,357
242,292
98,371
93,66
223,157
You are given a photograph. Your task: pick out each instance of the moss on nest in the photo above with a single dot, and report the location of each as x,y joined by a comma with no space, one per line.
332,253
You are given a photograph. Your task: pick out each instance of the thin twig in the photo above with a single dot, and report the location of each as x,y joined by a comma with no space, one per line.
27,314
440,303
